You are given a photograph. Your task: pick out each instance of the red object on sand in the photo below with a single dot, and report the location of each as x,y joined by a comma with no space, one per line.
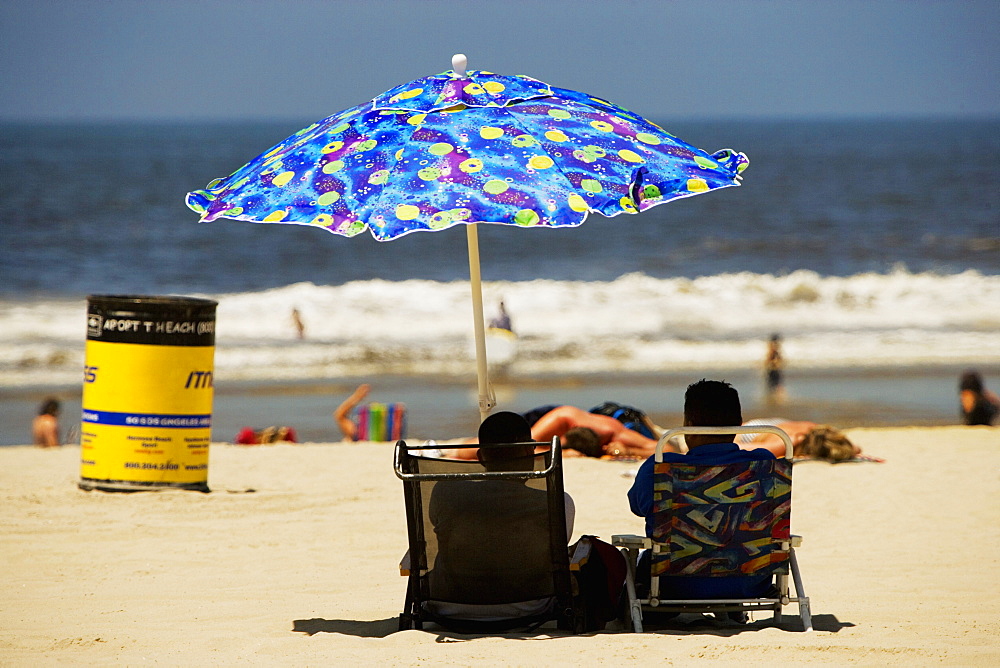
246,437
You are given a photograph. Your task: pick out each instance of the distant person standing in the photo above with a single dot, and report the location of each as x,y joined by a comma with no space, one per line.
45,426
774,365
501,342
979,405
300,327
502,321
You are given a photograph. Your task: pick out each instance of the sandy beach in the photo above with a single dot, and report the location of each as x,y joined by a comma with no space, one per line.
292,560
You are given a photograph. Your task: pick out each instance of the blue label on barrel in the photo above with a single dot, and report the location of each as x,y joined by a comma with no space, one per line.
147,419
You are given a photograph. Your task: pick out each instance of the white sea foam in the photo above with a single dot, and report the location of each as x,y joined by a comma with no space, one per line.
635,323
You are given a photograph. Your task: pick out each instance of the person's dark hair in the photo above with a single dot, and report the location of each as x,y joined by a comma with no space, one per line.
972,381
504,427
712,403
49,407
583,440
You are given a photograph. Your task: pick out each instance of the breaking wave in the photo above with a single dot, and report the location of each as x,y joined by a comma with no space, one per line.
634,323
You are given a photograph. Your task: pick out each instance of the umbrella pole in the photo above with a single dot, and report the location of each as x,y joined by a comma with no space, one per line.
486,399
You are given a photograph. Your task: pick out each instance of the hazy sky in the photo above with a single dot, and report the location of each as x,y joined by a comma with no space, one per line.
306,59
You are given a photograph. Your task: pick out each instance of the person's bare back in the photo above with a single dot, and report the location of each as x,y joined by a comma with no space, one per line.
616,438
45,431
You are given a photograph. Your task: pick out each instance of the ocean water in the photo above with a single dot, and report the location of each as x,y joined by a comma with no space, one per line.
871,246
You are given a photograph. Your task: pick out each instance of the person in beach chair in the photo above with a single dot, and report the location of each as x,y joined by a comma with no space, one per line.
488,538
717,520
372,422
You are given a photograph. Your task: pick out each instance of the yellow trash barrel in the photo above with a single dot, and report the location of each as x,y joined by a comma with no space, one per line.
147,393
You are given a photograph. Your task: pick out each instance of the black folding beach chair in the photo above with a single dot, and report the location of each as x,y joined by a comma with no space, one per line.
487,548
717,521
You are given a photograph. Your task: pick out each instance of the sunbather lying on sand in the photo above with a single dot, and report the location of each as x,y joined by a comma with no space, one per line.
581,433
809,440
591,434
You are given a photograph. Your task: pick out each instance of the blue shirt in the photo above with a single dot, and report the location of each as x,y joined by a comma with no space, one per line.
640,498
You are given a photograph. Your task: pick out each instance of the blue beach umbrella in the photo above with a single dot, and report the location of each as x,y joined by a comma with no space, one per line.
462,148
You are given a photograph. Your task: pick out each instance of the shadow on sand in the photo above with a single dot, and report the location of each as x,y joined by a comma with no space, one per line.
682,625
693,624
378,628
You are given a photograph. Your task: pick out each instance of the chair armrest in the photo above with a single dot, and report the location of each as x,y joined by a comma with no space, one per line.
404,564
581,554
631,541
793,541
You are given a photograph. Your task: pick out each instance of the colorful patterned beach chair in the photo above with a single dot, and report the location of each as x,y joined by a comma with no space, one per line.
486,539
718,522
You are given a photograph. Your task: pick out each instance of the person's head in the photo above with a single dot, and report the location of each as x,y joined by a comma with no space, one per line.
825,442
583,440
775,339
504,427
711,403
49,407
971,381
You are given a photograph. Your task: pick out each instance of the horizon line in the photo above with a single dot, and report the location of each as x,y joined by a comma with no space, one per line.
684,118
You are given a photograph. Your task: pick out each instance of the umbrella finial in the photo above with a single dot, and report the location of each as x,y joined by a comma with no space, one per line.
458,63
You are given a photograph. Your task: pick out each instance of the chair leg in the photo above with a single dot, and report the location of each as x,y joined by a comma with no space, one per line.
781,584
805,614
407,619
800,593
634,607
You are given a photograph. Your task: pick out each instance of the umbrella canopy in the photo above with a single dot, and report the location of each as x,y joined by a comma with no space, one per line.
467,147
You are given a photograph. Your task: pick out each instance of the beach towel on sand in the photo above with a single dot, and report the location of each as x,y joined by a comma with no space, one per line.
857,459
